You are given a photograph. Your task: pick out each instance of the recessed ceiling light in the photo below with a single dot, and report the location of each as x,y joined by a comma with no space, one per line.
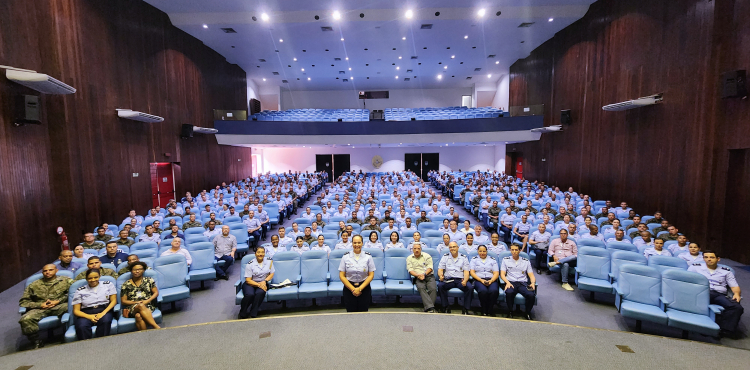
466,37
403,38
453,57
303,69
295,59
489,76
481,12
409,14
308,78
336,15
264,79
347,58
439,77
264,17
351,78
206,26
551,19
497,62
397,77
281,40
399,57
397,68
445,67
342,39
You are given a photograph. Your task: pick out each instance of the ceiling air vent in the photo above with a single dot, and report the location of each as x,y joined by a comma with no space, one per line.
409,71
468,78
337,59
326,28
229,30
407,79
477,69
525,24
414,57
284,81
426,26
342,72
262,60
275,73
346,80
491,56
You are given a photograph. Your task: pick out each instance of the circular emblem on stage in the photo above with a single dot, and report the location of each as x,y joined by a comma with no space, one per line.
377,161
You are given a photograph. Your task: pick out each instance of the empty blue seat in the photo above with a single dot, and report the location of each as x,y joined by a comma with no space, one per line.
202,267
592,270
173,277
287,267
377,285
314,284
663,263
397,278
638,294
614,246
685,298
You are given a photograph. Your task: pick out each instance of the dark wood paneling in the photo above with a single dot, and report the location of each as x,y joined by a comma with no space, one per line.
671,157
75,170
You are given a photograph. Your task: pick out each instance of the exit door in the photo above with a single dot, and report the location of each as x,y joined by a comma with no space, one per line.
519,167
412,163
162,183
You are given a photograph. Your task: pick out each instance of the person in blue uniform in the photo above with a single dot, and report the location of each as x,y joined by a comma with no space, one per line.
92,306
719,278
514,270
485,271
258,273
356,271
453,272
113,255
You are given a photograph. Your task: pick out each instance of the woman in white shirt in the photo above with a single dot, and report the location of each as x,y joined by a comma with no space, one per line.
467,228
394,242
443,247
445,227
374,242
417,241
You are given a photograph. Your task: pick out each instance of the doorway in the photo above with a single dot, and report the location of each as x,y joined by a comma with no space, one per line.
737,198
466,101
333,164
422,163
162,184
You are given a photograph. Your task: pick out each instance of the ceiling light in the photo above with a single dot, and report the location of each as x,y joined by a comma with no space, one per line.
453,57
409,14
295,59
445,67
351,78
303,69
397,77
399,57
281,40
350,68
481,12
308,78
342,39
489,76
497,62
397,68
439,77
336,15
551,19
466,37
264,17
206,26
403,38
264,79
347,58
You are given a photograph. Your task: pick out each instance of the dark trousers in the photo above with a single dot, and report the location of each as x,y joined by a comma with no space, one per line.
541,257
730,317
222,271
264,230
506,234
357,304
522,289
253,296
255,234
83,325
444,287
487,295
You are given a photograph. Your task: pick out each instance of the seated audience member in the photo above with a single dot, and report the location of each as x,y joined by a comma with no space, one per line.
132,258
479,238
45,297
445,226
664,225
78,252
131,217
495,245
619,237
657,218
506,225
258,274
65,261
485,271
212,217
345,243
92,306
467,228
153,215
453,272
301,246
694,254
101,235
265,221
225,247
191,223
672,234
564,252
519,278
521,231
138,295
150,236
113,255
373,242
419,266
90,243
320,245
390,228
96,263
408,226
468,245
176,233
455,234
274,248
130,233
107,230
657,250
157,228
539,241
417,241
177,249
254,228
283,238
372,225
394,242
314,231
719,278
593,234
680,247
644,241
212,231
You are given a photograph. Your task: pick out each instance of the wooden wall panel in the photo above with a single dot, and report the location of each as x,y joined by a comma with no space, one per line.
670,157
75,170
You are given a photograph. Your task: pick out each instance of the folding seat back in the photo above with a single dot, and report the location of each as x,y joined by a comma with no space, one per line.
232,219
640,284
395,264
663,263
378,257
195,239
302,222
236,226
615,246
424,226
433,234
436,256
314,265
144,249
591,243
621,258
287,265
172,270
194,231
241,236
687,292
592,270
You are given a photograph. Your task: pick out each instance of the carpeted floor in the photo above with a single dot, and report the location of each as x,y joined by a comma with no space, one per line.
384,341
216,303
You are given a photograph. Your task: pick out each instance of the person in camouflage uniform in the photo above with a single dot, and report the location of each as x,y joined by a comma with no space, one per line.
45,297
102,236
217,222
494,214
123,239
191,223
95,263
90,243
372,225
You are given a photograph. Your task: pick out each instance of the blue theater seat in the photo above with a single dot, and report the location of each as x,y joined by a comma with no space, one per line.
592,270
638,294
685,299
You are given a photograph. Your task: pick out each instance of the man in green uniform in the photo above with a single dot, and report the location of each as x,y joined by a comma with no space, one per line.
191,223
102,236
95,263
123,239
47,296
90,243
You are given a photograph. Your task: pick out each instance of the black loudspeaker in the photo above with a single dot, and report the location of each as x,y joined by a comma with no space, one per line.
254,106
733,84
187,131
565,118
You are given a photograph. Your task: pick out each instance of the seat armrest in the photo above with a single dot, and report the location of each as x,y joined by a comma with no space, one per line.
65,318
611,278
21,310
116,309
299,280
663,303
385,275
714,310
328,277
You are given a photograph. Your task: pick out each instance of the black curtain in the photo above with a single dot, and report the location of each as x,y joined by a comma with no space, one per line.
324,162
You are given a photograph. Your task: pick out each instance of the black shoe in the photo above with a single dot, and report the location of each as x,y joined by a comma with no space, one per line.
485,314
225,277
241,316
538,271
510,315
38,343
464,312
216,278
549,272
527,316
447,310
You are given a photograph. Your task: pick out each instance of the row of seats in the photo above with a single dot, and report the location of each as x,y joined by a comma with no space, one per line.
316,275
314,115
446,113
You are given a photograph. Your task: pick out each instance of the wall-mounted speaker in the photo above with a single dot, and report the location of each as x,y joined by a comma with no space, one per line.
565,117
733,84
28,110
187,131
